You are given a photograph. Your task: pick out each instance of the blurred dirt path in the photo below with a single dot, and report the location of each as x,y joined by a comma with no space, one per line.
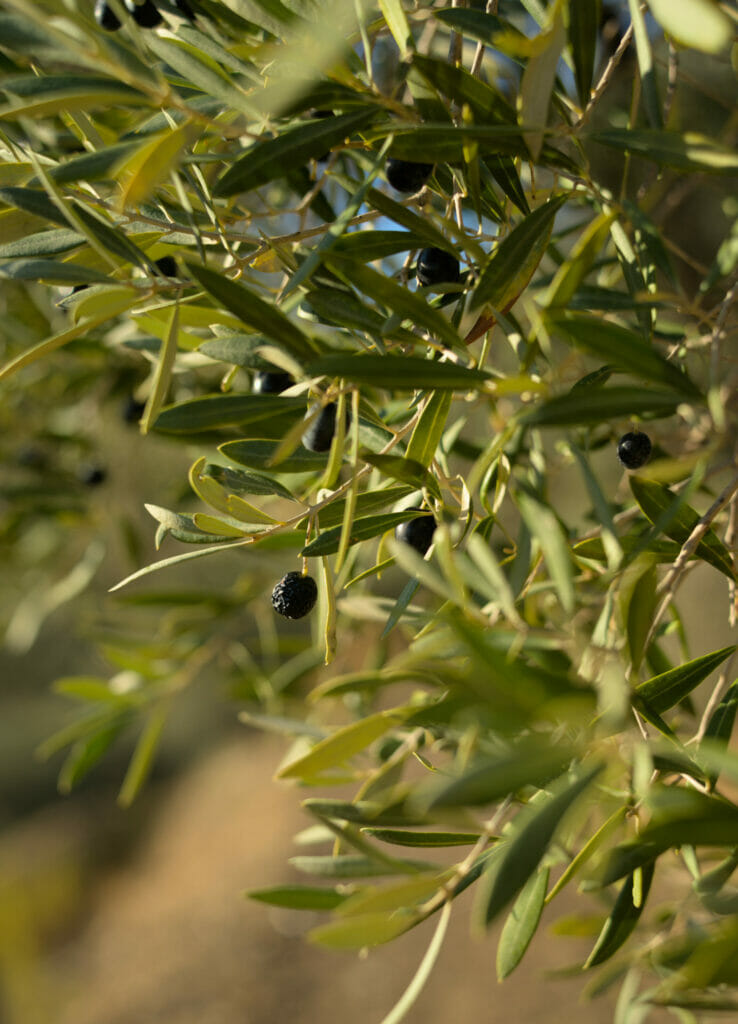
171,940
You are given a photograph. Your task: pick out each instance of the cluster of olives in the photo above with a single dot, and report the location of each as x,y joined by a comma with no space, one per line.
146,14
296,593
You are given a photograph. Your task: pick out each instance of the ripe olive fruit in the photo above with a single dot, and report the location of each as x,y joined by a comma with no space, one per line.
436,266
634,450
106,17
319,435
92,474
418,533
167,266
405,176
146,14
268,383
295,595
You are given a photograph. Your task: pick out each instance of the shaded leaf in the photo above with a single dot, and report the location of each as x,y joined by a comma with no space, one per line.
656,501
666,690
267,160
624,916
253,310
515,259
530,836
402,372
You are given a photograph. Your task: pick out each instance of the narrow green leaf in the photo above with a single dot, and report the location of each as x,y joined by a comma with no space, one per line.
646,66
545,527
163,372
354,865
43,243
298,897
538,80
363,930
667,689
656,500
407,470
202,71
687,151
521,924
404,373
584,28
515,259
625,348
388,896
573,271
427,433
588,850
253,310
403,837
491,780
235,481
50,271
398,25
366,503
406,304
361,529
343,744
211,412
720,726
530,836
268,160
258,454
623,918
143,756
600,405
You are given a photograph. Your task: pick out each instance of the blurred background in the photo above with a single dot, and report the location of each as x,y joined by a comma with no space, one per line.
113,915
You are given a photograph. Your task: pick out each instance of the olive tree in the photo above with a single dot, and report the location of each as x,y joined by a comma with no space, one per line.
459,395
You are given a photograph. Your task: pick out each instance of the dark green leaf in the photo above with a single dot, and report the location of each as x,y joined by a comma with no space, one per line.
259,454
361,529
252,310
395,297
525,764
213,411
265,161
623,918
366,503
402,837
687,151
646,65
515,259
354,865
530,836
720,726
584,27
600,405
402,373
625,348
657,501
666,690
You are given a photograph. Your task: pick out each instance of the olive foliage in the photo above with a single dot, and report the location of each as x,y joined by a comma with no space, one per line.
516,703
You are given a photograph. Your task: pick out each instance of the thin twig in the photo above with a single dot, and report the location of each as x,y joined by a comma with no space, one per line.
606,76
670,582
